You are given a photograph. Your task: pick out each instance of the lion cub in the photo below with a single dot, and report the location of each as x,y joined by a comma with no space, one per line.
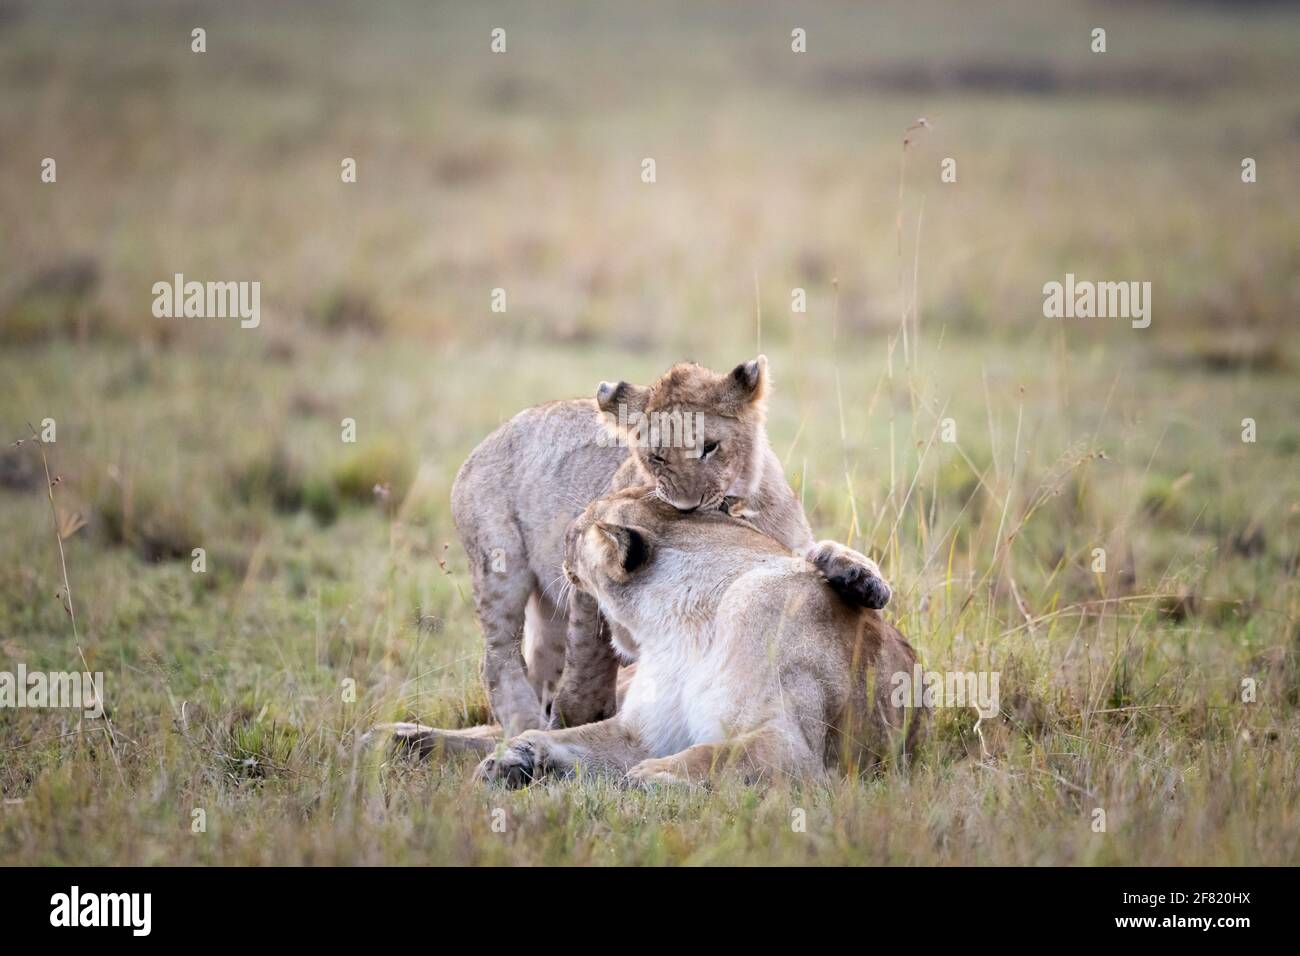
519,489
749,663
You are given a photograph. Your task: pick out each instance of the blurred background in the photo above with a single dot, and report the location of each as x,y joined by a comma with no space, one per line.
522,171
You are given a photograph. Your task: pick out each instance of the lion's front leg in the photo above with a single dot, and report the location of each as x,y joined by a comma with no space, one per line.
605,747
777,750
853,575
426,741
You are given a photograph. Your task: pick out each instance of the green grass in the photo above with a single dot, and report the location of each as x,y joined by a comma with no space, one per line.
226,689
231,691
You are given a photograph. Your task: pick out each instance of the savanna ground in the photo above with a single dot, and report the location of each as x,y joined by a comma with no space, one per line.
227,691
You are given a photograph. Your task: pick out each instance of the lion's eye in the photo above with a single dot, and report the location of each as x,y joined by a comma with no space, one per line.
657,459
709,448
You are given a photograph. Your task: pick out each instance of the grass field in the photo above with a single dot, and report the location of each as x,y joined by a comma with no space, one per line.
325,607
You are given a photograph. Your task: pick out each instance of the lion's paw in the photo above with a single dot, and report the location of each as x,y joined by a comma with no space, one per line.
853,575
518,765
656,771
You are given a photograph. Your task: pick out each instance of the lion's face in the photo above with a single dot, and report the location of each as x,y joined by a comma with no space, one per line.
696,434
698,471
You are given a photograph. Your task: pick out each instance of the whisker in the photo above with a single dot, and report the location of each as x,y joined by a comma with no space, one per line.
558,579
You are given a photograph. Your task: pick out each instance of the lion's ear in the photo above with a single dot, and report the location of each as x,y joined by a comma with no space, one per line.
747,382
610,395
631,545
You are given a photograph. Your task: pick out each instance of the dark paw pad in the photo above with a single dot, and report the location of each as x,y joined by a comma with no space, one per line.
515,767
854,582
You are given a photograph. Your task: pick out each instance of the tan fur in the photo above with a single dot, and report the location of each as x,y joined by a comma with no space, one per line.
749,663
548,655
733,411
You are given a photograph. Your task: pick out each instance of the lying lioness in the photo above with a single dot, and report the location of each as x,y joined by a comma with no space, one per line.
749,662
